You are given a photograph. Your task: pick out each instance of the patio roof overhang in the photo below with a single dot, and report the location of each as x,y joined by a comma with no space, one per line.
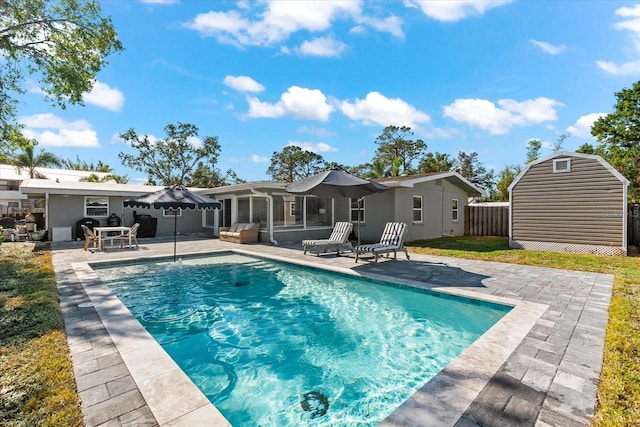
40,187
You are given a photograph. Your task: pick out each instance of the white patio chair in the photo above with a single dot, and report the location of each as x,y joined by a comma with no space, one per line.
392,240
339,238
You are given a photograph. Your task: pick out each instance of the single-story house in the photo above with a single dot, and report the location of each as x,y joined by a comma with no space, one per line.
432,205
16,204
569,202
65,203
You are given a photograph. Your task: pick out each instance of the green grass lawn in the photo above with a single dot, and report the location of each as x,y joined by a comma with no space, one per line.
36,377
619,388
37,386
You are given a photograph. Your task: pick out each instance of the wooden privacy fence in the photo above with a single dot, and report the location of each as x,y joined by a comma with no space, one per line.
486,220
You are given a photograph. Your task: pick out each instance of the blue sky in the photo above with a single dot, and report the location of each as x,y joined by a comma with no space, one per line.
328,76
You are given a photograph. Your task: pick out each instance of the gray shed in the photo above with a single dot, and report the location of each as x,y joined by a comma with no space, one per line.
569,202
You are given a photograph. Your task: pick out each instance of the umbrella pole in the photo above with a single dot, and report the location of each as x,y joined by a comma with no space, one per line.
175,233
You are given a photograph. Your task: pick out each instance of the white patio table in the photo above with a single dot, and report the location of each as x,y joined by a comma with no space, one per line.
105,233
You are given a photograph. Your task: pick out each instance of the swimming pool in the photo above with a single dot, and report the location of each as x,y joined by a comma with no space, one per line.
271,343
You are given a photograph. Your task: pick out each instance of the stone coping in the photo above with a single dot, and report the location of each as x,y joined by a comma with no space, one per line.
442,401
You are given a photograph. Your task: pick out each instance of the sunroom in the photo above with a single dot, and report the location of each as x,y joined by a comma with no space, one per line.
283,217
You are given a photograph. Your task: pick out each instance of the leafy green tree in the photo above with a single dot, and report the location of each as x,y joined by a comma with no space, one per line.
172,160
207,177
587,148
472,169
395,143
94,177
619,136
505,178
29,160
396,167
336,165
436,162
294,163
83,165
12,140
375,169
63,44
559,142
533,150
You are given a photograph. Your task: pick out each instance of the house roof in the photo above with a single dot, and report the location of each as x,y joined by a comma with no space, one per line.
407,181
453,177
37,187
244,187
599,159
9,172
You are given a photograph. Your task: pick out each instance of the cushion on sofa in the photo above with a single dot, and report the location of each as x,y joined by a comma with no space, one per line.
233,228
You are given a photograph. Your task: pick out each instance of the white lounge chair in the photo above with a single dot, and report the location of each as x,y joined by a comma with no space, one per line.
339,238
392,240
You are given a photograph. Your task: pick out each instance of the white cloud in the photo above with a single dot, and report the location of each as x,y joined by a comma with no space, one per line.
299,103
195,141
105,96
548,47
451,11
320,132
268,23
630,22
380,110
322,46
390,24
582,127
52,131
274,23
314,147
508,113
627,68
243,84
259,159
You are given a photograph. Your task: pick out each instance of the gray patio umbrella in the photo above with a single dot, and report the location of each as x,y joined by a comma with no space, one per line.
174,197
336,182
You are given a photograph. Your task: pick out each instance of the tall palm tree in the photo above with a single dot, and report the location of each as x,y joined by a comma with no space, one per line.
30,161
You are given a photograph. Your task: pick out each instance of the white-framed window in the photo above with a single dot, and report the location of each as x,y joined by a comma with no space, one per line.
96,207
454,210
171,212
561,165
417,209
354,210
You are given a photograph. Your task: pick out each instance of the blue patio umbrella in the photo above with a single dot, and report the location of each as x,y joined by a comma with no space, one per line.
174,197
337,182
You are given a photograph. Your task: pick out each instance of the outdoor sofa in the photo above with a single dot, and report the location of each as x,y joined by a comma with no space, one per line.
240,232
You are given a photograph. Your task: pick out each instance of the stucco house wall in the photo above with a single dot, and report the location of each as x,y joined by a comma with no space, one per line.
437,192
265,201
569,202
65,205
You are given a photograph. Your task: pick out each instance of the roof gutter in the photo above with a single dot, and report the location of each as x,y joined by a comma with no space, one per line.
270,199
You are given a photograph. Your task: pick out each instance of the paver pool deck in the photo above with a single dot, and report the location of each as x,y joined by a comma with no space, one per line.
539,366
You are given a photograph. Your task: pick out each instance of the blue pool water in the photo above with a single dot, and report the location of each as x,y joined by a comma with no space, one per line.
276,344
